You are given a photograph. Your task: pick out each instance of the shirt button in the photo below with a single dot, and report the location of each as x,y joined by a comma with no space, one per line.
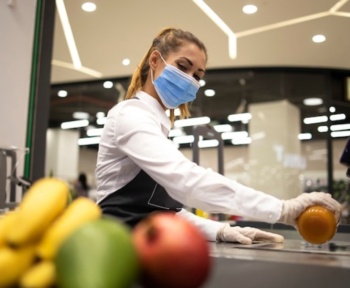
270,216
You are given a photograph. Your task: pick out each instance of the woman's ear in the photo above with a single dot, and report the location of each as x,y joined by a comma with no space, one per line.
154,59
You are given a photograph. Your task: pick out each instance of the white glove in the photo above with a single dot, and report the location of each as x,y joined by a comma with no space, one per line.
245,235
294,207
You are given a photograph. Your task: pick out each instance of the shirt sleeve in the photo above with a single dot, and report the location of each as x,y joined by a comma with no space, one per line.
139,135
208,227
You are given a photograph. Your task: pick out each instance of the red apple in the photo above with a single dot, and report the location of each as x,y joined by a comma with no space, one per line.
173,253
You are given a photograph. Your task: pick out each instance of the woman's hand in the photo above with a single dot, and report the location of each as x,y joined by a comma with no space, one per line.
294,207
246,235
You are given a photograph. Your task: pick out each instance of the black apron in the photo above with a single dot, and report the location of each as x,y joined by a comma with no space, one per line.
137,199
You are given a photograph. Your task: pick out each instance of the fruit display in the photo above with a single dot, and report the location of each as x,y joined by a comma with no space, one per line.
52,241
173,253
317,225
14,263
80,211
5,224
41,274
99,254
41,205
31,235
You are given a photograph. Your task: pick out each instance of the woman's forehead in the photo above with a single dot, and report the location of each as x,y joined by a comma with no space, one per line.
190,51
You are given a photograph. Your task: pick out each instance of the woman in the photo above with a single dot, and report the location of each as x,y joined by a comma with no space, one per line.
139,170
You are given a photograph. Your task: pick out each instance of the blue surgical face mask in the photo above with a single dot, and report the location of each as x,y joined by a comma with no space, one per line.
174,86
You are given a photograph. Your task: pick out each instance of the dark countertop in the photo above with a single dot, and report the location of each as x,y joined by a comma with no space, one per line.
293,264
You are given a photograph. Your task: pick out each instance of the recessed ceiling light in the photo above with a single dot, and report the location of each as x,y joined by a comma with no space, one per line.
202,82
312,101
319,38
108,84
126,62
62,93
88,7
209,92
249,9
332,109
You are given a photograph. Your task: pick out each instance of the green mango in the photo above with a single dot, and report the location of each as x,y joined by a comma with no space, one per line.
99,254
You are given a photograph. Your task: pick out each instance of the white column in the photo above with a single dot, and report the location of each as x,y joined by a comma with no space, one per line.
275,152
17,19
62,154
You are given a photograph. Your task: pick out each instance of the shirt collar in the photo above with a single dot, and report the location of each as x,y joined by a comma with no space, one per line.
154,104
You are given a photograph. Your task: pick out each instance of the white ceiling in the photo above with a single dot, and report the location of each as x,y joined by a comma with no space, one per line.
125,29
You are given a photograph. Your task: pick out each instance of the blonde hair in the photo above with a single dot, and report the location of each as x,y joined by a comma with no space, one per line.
167,40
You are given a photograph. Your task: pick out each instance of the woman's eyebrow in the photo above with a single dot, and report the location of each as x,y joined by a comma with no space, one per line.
190,62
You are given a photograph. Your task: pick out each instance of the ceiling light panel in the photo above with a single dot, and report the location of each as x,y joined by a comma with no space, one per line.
304,136
74,124
208,143
312,101
232,39
184,139
241,141
81,115
316,119
192,121
244,117
94,132
337,134
61,8
337,117
89,141
100,114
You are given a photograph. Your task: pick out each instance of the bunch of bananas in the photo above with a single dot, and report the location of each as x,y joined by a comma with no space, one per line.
31,235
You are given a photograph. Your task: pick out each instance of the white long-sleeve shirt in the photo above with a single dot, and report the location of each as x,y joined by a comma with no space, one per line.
135,138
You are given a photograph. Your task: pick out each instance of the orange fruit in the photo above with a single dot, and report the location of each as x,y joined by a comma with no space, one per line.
317,224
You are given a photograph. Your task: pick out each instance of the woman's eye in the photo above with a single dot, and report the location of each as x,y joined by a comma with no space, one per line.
181,67
184,68
196,77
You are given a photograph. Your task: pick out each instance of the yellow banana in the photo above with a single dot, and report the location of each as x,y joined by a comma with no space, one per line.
6,222
13,263
40,275
44,201
80,211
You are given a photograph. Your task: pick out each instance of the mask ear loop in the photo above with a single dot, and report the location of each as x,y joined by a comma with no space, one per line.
162,57
151,71
160,54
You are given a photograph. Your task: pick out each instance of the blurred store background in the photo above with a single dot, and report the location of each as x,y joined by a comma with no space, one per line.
277,87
